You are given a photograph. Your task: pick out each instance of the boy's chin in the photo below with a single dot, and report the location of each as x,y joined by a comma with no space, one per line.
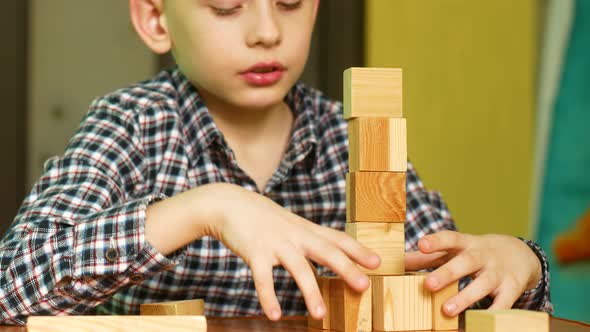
258,106
261,100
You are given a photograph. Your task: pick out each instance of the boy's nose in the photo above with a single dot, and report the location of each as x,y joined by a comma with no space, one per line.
264,30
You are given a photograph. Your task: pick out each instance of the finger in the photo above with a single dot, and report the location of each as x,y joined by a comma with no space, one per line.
503,301
353,248
444,241
416,260
476,291
507,295
462,265
300,270
263,281
327,255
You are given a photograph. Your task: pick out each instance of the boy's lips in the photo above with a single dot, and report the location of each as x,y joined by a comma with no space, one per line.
263,74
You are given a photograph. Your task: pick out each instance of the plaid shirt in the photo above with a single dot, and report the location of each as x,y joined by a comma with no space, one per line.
77,244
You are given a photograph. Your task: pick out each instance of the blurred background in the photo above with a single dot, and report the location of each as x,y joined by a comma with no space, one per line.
496,93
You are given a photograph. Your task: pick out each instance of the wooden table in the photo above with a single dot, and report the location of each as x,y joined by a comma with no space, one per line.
299,324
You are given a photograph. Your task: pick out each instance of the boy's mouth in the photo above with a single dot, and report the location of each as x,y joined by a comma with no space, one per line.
264,68
263,74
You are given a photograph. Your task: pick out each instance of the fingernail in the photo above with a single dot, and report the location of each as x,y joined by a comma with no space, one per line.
432,282
275,314
320,311
450,308
425,245
376,260
364,282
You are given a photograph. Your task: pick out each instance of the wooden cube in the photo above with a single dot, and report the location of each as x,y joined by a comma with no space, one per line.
373,92
323,324
385,239
506,321
173,308
441,321
349,311
401,303
376,197
377,144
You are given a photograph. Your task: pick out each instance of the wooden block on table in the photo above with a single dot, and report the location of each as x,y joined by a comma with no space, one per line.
323,324
377,144
385,239
174,308
116,323
440,321
506,321
401,303
376,197
373,92
349,311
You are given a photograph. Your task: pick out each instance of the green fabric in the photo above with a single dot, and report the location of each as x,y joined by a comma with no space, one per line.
566,188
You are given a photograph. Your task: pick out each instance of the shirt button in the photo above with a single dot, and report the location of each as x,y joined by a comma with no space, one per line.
136,278
111,255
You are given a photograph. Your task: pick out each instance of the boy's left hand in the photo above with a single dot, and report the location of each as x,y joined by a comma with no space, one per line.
501,266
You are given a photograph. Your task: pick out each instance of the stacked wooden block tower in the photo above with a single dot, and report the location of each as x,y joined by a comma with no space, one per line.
376,214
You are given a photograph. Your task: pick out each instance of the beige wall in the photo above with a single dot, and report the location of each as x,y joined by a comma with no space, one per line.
469,74
78,50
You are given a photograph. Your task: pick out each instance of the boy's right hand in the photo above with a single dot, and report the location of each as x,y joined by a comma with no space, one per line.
264,235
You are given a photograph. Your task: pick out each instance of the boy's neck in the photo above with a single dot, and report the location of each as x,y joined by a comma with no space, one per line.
258,138
249,125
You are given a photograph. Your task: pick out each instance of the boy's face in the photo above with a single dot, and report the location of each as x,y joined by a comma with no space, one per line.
245,53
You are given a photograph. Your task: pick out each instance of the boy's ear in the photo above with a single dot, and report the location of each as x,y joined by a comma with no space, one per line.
149,21
316,8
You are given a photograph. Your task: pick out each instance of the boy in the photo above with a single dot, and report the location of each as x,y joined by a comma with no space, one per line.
218,180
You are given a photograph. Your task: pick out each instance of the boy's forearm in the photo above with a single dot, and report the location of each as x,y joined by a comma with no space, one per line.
64,256
175,222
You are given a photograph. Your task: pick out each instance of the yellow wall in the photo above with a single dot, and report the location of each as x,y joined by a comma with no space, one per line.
469,73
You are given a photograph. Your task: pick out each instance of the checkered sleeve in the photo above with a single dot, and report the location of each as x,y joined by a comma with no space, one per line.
538,298
79,235
427,213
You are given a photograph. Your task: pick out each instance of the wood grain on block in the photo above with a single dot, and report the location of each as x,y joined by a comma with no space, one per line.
387,240
373,92
440,321
323,324
377,144
174,308
349,311
376,197
401,303
506,321
117,323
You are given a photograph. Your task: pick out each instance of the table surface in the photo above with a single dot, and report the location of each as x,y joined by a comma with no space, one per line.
299,324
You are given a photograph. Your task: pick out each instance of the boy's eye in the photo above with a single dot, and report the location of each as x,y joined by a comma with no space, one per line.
225,11
286,5
290,5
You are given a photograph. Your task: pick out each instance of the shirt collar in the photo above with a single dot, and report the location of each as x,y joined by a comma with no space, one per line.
304,136
202,132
